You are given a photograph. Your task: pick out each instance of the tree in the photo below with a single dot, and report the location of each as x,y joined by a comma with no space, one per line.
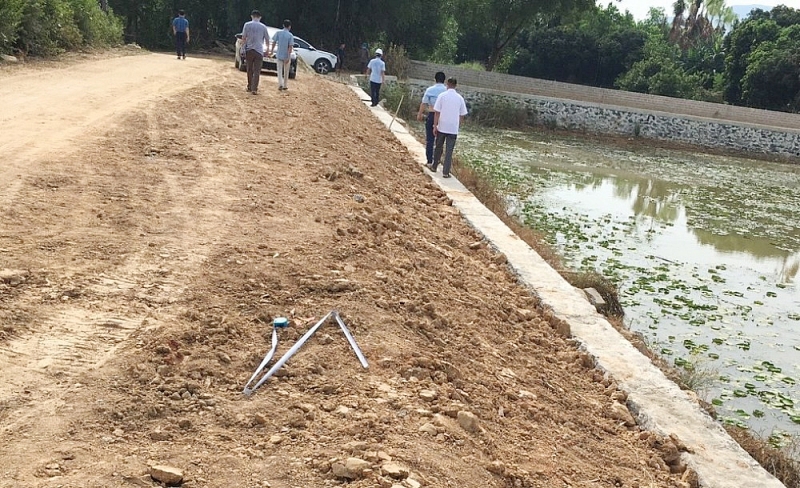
738,45
690,26
660,72
501,20
785,16
594,49
772,77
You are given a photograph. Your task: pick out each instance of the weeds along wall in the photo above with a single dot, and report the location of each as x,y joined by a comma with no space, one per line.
631,122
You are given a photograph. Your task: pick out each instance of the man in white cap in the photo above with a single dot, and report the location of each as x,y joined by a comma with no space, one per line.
376,69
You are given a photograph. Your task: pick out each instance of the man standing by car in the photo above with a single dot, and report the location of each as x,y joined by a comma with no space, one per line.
376,69
254,38
428,102
363,57
180,28
340,57
449,112
285,42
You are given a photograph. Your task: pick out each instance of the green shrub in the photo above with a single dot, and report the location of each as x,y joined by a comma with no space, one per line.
397,61
48,27
97,27
10,19
394,94
472,65
501,113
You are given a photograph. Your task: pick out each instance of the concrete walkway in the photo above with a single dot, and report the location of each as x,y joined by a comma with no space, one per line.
656,402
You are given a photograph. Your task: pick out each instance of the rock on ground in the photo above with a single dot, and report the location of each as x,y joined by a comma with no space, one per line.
167,474
351,468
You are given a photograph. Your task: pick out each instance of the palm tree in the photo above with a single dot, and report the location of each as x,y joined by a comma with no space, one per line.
689,30
676,32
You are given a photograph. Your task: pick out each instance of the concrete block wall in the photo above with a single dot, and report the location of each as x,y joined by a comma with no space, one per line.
554,89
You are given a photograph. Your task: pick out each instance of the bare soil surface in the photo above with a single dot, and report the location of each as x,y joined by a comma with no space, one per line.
155,218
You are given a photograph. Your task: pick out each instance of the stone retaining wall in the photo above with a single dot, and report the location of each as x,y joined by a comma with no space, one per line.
627,121
602,96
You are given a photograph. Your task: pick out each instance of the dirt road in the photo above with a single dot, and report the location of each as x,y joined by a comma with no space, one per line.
154,218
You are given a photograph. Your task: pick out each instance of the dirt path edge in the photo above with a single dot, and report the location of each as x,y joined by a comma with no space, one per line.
656,402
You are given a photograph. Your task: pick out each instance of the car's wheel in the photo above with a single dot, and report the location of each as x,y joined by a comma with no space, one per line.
322,66
240,64
293,70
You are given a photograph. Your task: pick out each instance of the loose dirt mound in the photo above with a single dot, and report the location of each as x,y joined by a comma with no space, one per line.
142,273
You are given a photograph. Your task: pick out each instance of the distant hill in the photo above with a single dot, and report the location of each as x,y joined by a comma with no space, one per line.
743,11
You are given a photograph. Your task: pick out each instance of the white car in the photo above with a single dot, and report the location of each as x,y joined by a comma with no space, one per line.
269,64
323,62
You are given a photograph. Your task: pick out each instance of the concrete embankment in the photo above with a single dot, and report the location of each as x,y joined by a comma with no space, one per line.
657,403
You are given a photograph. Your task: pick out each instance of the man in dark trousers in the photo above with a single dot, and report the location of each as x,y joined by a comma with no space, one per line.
254,38
340,57
180,28
449,111
426,106
376,70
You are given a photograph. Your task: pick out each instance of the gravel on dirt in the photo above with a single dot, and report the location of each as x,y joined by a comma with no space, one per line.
144,261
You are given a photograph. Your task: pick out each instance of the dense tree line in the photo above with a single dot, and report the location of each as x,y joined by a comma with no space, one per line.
702,52
699,50
324,23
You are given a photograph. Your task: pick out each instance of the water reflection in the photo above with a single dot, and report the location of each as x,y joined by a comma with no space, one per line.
662,202
705,251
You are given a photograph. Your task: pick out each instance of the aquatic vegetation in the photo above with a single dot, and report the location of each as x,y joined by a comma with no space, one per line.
705,251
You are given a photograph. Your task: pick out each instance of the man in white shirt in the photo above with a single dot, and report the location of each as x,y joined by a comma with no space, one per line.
376,69
449,112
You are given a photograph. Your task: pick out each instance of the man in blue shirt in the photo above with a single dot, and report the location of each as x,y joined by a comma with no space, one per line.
428,101
284,40
254,38
180,28
376,69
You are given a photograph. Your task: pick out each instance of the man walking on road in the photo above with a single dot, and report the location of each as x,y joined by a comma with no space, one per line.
376,69
180,28
254,38
449,112
428,102
285,42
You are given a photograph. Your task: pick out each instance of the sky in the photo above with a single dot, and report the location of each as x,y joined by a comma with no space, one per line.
639,8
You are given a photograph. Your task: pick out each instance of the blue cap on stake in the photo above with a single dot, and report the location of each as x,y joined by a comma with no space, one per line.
280,322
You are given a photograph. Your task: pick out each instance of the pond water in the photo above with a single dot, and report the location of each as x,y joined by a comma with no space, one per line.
704,249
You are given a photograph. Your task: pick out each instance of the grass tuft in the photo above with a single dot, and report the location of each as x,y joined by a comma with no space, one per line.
783,463
500,113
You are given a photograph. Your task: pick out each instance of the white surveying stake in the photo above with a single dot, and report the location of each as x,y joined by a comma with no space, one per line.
282,322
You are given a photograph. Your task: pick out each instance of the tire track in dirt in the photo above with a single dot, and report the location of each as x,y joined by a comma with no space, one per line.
133,227
44,114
